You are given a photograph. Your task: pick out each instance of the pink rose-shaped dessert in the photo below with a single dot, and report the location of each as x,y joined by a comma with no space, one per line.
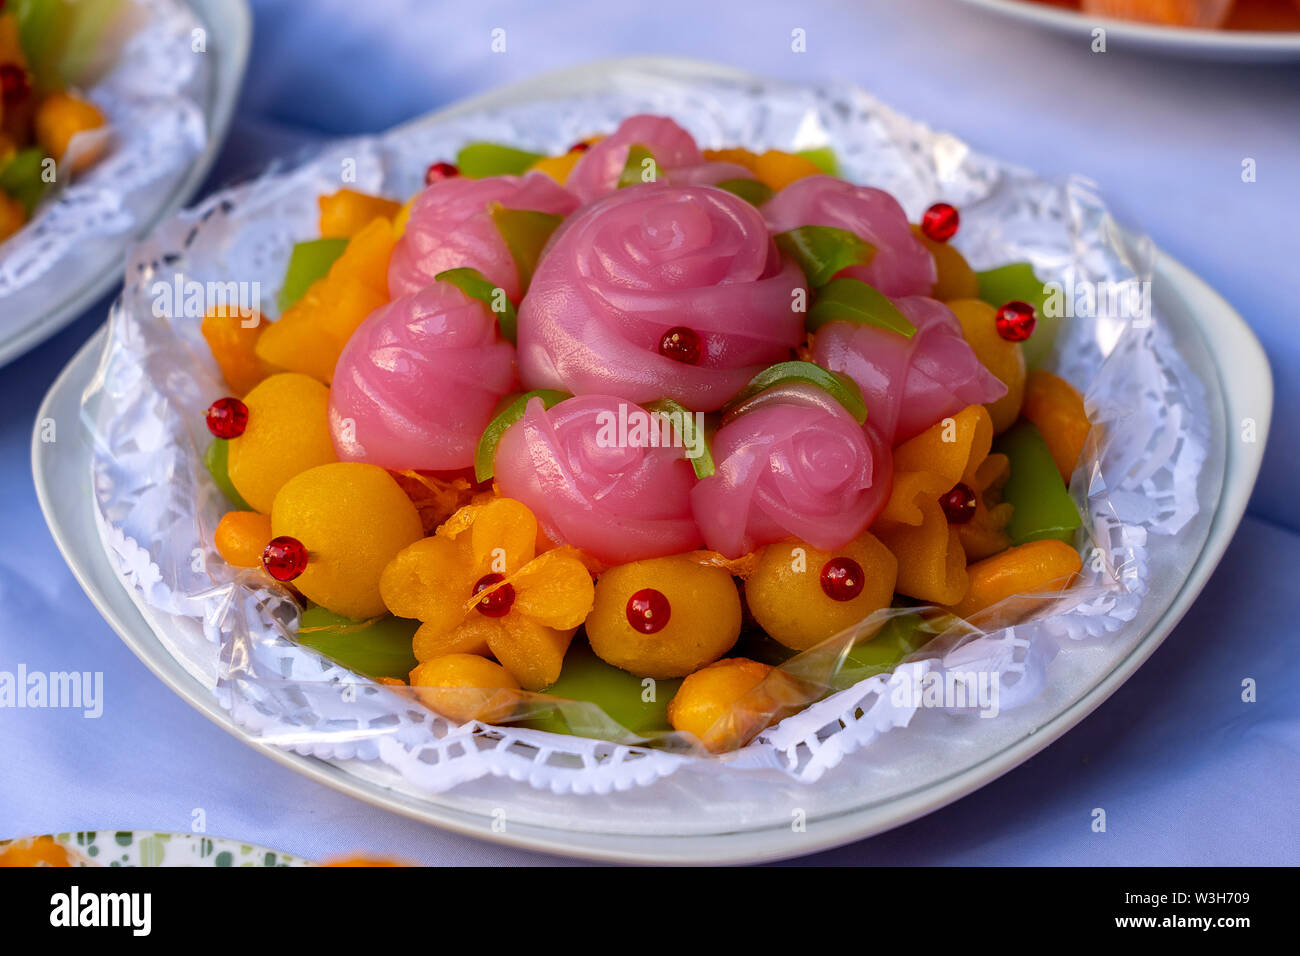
598,172
451,227
645,261
590,487
909,384
418,381
794,464
901,265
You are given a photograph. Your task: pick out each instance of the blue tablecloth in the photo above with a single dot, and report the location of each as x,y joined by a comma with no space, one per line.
1186,771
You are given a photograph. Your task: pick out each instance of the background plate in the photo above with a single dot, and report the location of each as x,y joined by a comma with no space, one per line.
1246,46
229,24
151,848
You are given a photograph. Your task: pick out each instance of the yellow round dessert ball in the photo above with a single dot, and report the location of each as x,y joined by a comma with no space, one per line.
464,687
800,601
1006,360
353,519
288,432
711,693
664,617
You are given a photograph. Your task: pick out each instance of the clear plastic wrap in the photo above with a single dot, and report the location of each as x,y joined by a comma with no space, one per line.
1141,487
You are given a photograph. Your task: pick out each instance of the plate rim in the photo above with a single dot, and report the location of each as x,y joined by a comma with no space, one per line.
228,77
1246,383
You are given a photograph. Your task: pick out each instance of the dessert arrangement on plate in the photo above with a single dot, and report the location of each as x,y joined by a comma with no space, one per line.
644,426
650,422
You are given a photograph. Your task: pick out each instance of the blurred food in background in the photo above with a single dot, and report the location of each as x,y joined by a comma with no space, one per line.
1207,14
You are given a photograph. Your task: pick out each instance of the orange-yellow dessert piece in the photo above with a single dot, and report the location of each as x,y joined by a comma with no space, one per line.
718,704
11,45
1006,360
38,851
353,519
986,533
241,536
801,595
402,217
557,167
1057,409
685,614
288,432
345,213
311,334
478,586
464,687
232,334
774,168
12,216
1025,569
957,280
913,525
60,117
1172,13
362,861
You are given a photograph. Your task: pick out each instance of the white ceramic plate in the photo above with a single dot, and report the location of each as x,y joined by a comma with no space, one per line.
152,848
1210,335
229,26
1246,46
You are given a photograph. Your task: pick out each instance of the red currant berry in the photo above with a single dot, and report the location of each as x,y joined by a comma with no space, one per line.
284,558
1016,321
579,147
940,222
438,172
682,345
842,579
15,83
958,504
648,611
227,417
499,602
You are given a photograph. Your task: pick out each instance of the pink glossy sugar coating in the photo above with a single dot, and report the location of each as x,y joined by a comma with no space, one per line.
795,464
598,172
623,271
901,266
909,384
618,502
418,381
451,227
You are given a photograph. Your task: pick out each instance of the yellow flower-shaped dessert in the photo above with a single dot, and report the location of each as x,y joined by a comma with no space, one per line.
939,515
479,587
